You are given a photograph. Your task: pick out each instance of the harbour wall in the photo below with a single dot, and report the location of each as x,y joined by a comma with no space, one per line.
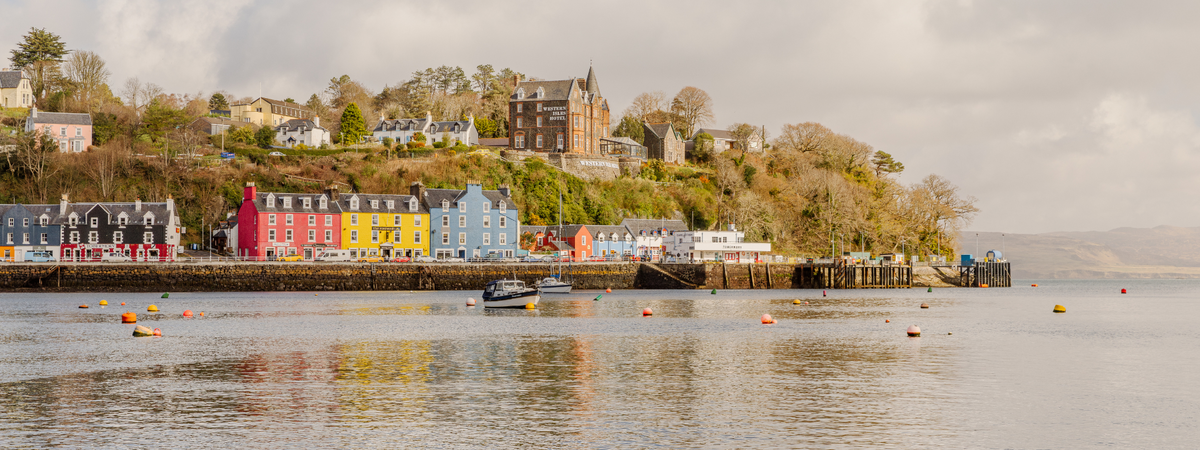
273,276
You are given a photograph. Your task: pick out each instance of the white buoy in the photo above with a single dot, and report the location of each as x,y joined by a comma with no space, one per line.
914,331
470,302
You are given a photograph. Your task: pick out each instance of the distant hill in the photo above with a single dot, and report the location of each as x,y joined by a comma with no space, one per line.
1160,252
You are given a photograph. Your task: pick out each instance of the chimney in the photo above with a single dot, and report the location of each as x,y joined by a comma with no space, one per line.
137,204
250,192
170,203
428,117
62,204
33,112
417,190
516,79
504,190
332,192
471,118
316,121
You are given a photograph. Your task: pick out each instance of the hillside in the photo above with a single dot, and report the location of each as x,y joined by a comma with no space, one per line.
1160,252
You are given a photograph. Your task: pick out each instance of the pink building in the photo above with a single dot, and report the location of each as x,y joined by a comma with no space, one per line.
72,131
274,224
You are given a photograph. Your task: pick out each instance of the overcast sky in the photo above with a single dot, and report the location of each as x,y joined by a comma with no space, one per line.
1057,116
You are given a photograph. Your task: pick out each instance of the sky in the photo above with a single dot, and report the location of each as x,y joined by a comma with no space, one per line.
1057,116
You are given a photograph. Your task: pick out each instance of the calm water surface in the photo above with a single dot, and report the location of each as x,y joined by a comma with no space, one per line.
421,370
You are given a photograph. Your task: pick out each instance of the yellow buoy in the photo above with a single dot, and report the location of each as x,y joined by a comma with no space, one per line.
530,306
152,308
1060,309
103,302
796,302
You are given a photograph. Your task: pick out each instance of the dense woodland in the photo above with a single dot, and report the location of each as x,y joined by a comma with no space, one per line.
811,189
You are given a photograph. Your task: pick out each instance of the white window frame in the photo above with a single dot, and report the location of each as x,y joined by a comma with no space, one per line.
312,220
329,220
462,238
148,237
445,221
503,222
270,219
271,235
118,237
328,236
416,237
487,238
288,219
374,219
503,238
353,236
462,207
374,236
487,221
416,220
312,236
354,220
445,238
462,221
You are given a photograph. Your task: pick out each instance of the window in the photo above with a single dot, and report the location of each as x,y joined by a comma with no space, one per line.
416,237
374,236
520,140
149,219
288,219
270,200
462,221
271,235
560,140
374,204
78,131
93,237
539,141
518,119
118,237
446,238
25,237
518,109
354,203
328,236
539,107
396,237
120,220
329,221
323,203
462,207
62,131
391,204
147,237
287,202
487,221
576,144
354,236
412,205
417,220
714,239
462,238
576,121
539,121
487,238
95,222
74,237
354,220
73,220
600,237
503,207
445,221
503,222
270,219
46,238
487,206
312,220
25,221
540,241
503,238
374,220
445,205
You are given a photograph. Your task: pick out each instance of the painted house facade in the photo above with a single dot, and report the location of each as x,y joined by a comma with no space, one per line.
571,240
271,224
71,131
263,111
403,130
718,246
470,223
302,131
15,90
568,116
26,228
663,142
384,225
650,235
612,241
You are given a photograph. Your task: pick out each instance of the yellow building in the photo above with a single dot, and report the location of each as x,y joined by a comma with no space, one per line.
384,226
268,112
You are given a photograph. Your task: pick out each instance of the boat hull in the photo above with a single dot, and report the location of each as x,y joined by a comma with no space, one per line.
518,300
555,288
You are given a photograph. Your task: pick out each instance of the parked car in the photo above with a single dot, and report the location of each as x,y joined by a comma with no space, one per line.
401,259
290,258
39,256
537,259
276,154
596,258
424,259
370,259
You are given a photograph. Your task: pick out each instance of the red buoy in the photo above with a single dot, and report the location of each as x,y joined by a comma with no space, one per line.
608,291
1123,291
647,312
157,332
822,293
187,313
767,319
887,320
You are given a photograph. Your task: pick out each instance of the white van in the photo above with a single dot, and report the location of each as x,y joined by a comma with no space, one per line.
335,255
115,257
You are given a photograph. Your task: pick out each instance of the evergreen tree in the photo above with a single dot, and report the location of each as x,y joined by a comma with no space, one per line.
265,136
631,127
218,102
353,125
39,55
884,163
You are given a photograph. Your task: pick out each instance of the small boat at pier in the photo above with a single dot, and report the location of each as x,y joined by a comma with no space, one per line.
553,285
509,294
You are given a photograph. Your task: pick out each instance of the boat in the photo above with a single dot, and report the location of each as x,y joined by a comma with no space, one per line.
552,285
509,294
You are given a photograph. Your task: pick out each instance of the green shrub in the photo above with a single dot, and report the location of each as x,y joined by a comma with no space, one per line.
439,144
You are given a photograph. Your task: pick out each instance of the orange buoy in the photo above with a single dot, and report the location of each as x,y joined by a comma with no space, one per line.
201,313
128,317
1034,285
470,301
914,331
157,332
767,319
924,306
805,303
83,306
122,303
647,312
187,313
608,291
983,285
887,320
1122,290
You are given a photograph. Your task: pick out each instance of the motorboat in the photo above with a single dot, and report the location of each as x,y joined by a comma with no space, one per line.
553,285
509,294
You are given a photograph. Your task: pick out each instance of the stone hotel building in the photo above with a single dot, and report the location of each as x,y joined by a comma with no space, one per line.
567,116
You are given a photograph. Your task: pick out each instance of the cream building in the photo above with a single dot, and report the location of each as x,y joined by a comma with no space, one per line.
265,111
15,90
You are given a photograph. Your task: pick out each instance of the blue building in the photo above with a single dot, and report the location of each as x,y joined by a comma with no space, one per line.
470,223
612,241
25,228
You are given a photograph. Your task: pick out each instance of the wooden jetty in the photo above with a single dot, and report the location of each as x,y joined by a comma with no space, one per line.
840,275
992,274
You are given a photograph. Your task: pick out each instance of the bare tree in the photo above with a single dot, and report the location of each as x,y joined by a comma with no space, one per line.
139,94
36,157
803,137
189,144
742,133
88,72
105,164
646,104
693,108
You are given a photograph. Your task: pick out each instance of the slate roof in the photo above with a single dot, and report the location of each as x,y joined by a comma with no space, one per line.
496,197
531,229
297,207
716,134
204,124
434,197
59,118
608,230
554,90
399,204
636,226
10,79
443,127
276,103
400,125
622,140
567,230
592,86
300,125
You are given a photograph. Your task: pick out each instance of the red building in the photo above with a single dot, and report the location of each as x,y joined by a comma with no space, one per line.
272,224
574,240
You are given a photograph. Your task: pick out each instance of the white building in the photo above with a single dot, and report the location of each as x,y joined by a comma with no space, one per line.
302,131
716,246
402,130
649,235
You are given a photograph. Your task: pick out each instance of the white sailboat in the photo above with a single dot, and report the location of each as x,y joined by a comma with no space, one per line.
555,284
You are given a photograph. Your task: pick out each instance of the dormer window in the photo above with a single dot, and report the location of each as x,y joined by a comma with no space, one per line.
412,205
445,205
323,202
600,237
354,203
270,200
73,220
391,204
287,202
503,207
44,221
541,93
307,203
374,204
520,95
149,219
122,220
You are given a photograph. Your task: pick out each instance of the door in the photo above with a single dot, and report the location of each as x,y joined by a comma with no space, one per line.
387,253
462,254
308,254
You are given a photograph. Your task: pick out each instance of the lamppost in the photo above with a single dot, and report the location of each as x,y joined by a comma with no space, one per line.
976,245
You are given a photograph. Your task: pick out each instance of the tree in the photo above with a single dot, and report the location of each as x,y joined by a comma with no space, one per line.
648,105
742,133
39,54
104,164
243,135
387,146
218,102
140,94
353,125
884,163
87,72
803,137
487,128
36,157
265,136
937,210
630,127
289,100
702,147
692,108
161,118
